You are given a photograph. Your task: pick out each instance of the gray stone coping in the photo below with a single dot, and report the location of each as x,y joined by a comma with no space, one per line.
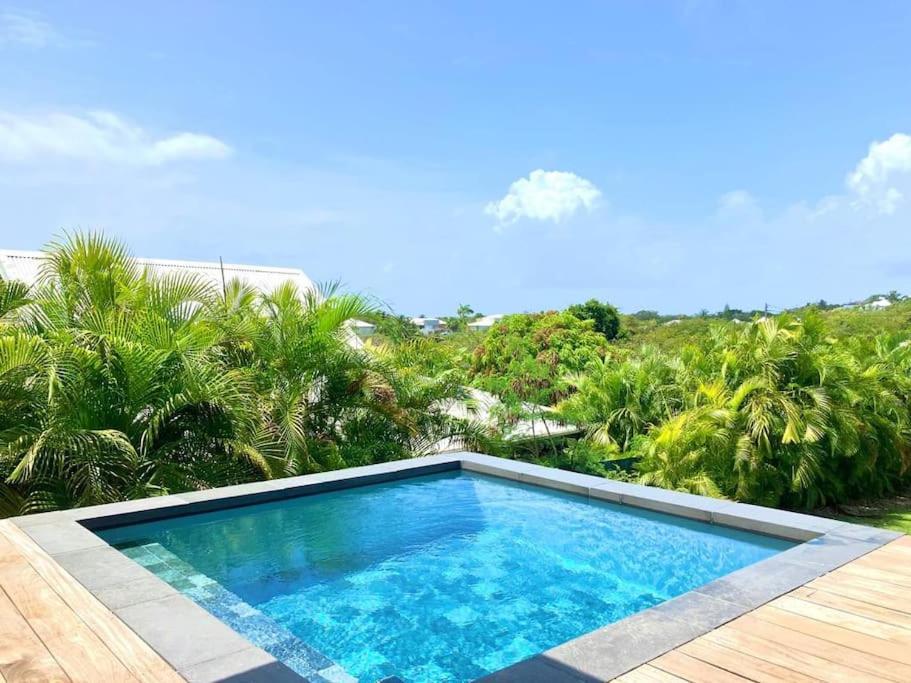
202,648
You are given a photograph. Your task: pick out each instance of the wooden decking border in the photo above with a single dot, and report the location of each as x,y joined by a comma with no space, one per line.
53,630
852,625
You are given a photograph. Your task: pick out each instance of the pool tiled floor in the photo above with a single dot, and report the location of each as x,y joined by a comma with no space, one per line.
255,626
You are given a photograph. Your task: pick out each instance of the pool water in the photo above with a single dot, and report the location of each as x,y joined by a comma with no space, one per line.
444,577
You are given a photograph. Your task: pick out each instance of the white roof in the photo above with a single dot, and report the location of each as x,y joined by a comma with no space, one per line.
482,406
26,265
880,303
487,320
362,324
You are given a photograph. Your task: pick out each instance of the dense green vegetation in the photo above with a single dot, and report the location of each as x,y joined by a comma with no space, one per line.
800,410
116,383
530,355
777,412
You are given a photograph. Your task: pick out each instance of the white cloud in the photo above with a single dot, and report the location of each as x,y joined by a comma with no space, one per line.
871,181
26,31
544,196
98,136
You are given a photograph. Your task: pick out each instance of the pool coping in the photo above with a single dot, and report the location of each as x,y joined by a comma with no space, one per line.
174,626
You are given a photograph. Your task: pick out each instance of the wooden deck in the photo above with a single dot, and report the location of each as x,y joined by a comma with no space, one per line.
852,625
52,629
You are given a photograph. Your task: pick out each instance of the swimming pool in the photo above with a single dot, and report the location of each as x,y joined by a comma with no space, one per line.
443,577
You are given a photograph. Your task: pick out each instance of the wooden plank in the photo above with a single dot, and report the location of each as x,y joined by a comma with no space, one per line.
9,557
865,591
839,635
852,606
874,573
742,664
854,622
679,664
79,651
878,560
833,652
896,550
134,653
787,657
648,674
23,657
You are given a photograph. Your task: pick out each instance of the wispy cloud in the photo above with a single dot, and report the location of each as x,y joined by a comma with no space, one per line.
738,205
544,196
27,30
98,136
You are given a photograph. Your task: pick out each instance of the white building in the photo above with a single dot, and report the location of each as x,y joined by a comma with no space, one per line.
879,304
26,267
485,323
429,325
363,328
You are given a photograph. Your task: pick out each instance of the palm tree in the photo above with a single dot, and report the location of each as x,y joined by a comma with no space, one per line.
112,387
619,400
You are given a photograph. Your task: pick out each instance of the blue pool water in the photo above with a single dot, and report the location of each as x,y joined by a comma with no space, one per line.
443,577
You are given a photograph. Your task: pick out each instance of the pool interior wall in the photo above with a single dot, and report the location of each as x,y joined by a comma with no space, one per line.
447,576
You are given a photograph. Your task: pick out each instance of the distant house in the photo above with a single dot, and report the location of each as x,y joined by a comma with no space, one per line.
429,325
483,407
363,329
485,323
676,321
879,304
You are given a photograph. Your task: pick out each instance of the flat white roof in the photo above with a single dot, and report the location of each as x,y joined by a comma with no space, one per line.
487,320
26,266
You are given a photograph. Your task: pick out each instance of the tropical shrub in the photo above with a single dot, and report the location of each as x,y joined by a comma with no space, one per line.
530,355
118,383
777,412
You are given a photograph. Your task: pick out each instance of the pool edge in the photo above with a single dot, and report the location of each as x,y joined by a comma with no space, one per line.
67,536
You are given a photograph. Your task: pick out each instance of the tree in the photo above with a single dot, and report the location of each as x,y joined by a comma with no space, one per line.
459,322
531,354
464,312
111,387
620,400
118,383
777,412
605,317
394,327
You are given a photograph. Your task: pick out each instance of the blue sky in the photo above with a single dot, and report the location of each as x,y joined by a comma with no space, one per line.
513,156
